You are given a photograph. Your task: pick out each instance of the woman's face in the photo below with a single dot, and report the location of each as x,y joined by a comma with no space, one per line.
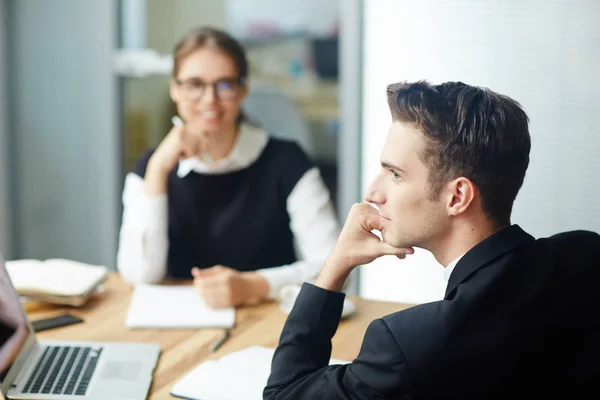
207,90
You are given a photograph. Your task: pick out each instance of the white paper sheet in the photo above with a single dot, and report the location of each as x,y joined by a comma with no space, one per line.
156,306
239,375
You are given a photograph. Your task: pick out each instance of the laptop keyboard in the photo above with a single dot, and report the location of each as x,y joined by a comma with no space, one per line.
65,370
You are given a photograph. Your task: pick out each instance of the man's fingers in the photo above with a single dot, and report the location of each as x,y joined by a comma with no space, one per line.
373,221
385,249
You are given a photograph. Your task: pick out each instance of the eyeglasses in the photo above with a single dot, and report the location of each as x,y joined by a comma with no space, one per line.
224,89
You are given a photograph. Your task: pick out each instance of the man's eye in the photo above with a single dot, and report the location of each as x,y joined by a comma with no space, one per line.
395,175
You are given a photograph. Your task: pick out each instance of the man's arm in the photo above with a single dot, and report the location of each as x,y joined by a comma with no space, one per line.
300,367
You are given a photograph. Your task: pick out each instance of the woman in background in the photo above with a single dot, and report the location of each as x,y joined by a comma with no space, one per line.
220,199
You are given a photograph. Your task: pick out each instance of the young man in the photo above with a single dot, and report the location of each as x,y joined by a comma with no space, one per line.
519,316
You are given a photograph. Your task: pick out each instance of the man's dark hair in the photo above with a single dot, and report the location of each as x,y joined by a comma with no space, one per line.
472,132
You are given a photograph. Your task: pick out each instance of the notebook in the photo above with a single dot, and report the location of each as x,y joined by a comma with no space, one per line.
158,306
56,280
239,375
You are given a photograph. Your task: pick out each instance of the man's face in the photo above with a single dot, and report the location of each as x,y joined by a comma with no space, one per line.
401,191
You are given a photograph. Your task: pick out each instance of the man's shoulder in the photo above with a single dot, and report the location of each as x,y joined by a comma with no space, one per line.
419,322
419,313
418,331
570,242
575,236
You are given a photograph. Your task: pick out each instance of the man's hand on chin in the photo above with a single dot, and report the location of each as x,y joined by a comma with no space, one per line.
356,245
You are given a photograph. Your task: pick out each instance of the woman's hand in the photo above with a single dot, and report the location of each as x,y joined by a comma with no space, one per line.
222,287
180,143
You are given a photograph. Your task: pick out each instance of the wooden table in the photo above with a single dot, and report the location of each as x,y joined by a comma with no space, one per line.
183,349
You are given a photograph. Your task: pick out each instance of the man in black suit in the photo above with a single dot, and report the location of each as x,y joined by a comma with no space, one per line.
519,318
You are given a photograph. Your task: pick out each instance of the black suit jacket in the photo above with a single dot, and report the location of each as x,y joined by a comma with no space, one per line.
520,319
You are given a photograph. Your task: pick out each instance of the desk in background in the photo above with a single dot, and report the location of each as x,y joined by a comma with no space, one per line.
183,349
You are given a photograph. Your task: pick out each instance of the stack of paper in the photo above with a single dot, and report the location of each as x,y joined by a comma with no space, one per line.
56,280
156,306
239,375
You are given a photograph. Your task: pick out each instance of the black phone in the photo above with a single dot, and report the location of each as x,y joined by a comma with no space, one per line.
55,322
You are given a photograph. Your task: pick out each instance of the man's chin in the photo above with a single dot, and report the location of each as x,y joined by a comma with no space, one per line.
396,242
389,239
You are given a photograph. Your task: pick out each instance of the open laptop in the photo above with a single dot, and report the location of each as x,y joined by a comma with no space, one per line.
32,369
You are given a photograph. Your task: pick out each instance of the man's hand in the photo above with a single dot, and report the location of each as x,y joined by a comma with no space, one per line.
356,245
221,287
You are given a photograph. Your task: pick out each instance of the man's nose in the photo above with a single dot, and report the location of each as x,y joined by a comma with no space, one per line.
374,193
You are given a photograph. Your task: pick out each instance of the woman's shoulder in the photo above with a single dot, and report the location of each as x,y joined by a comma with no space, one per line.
288,161
288,151
139,168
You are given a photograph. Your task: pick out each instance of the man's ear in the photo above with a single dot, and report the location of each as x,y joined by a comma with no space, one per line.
461,195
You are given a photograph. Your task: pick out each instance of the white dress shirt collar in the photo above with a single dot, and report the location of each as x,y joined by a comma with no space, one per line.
450,267
250,143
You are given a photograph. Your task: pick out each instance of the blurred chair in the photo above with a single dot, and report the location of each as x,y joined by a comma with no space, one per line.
279,115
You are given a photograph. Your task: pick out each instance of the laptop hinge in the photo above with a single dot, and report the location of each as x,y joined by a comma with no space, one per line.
35,349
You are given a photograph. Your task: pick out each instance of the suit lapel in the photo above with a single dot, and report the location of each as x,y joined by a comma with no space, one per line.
485,252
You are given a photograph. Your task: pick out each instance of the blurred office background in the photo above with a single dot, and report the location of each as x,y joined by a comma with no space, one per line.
84,90
87,92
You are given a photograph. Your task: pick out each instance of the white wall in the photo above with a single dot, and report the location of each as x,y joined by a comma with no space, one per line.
315,16
543,54
66,132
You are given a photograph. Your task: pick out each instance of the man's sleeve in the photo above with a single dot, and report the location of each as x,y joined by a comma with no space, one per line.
300,367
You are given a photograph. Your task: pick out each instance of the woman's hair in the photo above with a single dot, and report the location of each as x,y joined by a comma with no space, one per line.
216,39
213,38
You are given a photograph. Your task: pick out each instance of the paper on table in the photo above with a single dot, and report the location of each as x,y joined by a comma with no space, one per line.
239,375
156,306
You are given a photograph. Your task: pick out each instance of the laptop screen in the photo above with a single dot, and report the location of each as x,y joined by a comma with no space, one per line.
14,329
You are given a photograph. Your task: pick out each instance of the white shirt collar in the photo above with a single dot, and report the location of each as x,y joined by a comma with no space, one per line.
248,146
450,267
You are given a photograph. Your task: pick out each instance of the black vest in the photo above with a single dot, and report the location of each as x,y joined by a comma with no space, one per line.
238,219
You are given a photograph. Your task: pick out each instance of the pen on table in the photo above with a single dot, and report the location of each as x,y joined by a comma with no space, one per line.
220,340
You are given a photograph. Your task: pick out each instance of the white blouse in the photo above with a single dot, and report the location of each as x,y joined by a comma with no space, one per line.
143,238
